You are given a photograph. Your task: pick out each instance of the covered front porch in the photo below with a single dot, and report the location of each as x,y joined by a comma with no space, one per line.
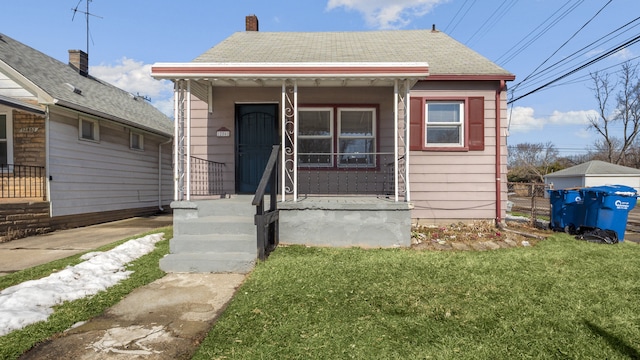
341,174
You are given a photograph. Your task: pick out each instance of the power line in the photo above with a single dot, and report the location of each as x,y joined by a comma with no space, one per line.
497,14
566,42
462,17
537,35
603,56
545,73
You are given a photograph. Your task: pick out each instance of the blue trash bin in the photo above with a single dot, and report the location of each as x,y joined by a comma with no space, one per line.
607,207
567,211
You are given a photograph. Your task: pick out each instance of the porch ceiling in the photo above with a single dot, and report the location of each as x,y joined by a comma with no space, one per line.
304,74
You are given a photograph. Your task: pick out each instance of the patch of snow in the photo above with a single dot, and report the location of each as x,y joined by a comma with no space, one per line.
33,301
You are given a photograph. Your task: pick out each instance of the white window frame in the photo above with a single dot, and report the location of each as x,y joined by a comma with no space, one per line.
9,139
330,136
460,123
96,130
132,135
373,136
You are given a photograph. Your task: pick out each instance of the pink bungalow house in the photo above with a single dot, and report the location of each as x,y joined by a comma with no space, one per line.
374,130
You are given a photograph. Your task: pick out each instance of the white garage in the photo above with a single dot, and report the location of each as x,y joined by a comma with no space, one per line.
593,173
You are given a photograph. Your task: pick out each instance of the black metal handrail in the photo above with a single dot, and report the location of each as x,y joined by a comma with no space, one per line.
22,181
206,177
267,221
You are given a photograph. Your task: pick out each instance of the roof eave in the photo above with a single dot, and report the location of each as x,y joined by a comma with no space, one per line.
83,109
472,77
274,71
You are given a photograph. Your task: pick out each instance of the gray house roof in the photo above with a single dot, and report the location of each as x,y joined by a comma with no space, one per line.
593,168
55,82
444,55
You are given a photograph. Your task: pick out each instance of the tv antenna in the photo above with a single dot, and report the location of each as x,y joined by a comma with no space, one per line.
86,14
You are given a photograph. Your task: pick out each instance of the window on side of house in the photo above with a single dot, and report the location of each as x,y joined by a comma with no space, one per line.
136,141
444,124
89,130
356,137
6,140
315,137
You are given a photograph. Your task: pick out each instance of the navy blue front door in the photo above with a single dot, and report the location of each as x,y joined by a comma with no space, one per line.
255,136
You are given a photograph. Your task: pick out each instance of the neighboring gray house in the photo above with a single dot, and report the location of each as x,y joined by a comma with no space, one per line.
377,129
75,150
593,173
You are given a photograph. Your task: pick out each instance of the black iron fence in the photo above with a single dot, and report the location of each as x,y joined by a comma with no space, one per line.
325,174
22,181
206,177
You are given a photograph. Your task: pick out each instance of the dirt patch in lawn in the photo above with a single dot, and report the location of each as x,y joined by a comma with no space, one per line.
479,236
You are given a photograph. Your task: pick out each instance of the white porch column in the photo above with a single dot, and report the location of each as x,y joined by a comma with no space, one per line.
407,139
188,143
395,138
283,137
176,138
295,140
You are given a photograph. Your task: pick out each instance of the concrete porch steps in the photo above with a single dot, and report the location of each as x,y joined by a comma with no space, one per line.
215,236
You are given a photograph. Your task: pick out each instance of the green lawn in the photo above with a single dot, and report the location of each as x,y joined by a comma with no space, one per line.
561,299
145,270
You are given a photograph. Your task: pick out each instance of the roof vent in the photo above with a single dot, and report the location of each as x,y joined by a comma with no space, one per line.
433,28
74,89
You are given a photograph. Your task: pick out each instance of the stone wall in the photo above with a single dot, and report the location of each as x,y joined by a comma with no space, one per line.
23,219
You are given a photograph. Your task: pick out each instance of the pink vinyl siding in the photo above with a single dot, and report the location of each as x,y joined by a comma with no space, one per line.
458,185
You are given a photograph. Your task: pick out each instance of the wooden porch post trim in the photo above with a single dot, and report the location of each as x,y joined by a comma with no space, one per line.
188,145
407,139
395,137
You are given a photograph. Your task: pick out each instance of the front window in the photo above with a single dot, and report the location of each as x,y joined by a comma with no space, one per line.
444,123
315,137
6,131
356,137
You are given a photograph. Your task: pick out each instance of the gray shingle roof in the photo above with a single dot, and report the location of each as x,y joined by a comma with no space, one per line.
595,167
97,97
444,55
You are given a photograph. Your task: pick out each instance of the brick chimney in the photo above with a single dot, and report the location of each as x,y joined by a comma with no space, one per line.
79,61
251,23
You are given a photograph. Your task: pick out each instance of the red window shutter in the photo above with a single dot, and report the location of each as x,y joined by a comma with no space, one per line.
476,123
416,123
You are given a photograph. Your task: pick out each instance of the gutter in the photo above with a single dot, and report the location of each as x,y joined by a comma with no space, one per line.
106,116
501,88
160,173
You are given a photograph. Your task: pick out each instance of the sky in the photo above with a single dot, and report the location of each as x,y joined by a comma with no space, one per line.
523,36
33,301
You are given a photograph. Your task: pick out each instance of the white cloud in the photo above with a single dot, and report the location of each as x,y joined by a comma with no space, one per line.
624,54
523,119
135,77
387,14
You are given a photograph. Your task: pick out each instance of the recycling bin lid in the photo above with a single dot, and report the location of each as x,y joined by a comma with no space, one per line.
620,190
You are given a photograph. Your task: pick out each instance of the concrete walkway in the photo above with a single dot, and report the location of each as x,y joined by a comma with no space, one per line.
20,254
165,319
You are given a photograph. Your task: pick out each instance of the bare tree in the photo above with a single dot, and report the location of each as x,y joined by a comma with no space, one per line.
619,108
532,161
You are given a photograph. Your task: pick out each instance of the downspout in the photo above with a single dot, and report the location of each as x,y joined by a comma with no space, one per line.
47,141
499,154
160,173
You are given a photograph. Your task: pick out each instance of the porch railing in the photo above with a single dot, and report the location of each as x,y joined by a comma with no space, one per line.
22,181
266,220
206,177
325,174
